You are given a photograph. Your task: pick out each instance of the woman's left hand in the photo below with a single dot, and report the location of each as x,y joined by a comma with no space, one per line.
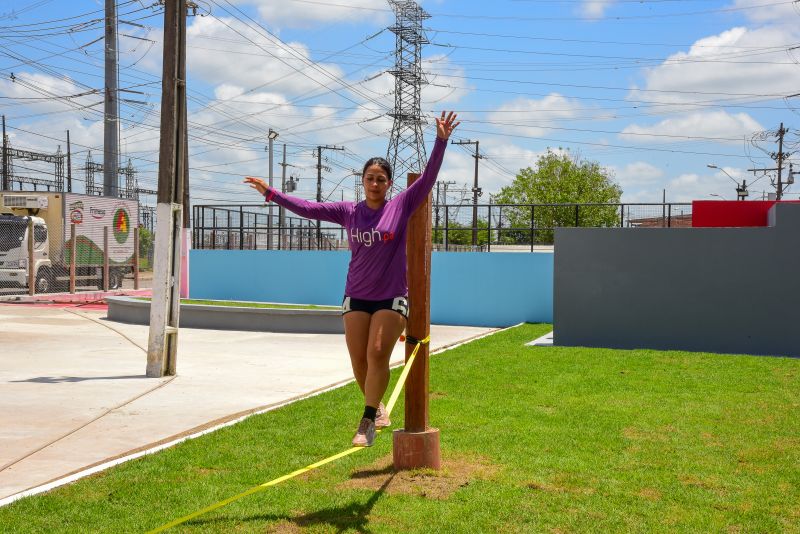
257,184
446,125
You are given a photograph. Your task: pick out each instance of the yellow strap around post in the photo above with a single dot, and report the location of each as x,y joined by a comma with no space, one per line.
255,489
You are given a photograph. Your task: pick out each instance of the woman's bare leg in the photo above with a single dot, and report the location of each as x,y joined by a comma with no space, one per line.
384,330
356,334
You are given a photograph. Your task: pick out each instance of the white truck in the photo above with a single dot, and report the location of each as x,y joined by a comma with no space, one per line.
52,215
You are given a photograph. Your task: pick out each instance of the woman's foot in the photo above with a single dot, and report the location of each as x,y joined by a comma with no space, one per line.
382,418
365,434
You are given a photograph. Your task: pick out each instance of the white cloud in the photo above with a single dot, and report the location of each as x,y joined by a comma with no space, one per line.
728,128
223,50
30,87
709,185
438,94
594,9
731,65
306,14
761,11
531,117
643,182
637,174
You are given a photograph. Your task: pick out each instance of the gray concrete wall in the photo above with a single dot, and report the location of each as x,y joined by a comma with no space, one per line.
135,311
727,290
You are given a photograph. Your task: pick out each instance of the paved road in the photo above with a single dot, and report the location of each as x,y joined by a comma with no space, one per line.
73,392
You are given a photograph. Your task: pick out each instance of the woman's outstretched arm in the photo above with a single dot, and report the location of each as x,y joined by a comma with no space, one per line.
335,212
416,193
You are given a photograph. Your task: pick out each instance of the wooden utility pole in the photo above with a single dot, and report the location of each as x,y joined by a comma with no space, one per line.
111,110
172,168
73,249
417,445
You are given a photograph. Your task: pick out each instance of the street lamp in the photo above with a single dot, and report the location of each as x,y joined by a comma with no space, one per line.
741,190
271,136
716,195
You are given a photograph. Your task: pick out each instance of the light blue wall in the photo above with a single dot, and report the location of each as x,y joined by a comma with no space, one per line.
477,289
491,288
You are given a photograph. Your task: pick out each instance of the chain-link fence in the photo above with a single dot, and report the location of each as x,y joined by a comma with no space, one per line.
36,258
456,227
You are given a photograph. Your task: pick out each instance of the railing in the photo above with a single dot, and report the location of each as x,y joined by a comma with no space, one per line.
250,227
506,227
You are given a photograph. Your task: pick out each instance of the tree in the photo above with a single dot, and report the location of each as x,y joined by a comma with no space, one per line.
558,179
461,234
146,238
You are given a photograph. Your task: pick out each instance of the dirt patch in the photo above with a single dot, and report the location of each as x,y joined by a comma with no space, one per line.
710,483
651,494
284,526
438,395
457,472
710,440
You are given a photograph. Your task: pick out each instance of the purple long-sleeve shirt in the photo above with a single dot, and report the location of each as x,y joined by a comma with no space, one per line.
377,238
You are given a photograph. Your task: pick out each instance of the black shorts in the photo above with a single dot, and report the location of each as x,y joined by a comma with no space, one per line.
398,304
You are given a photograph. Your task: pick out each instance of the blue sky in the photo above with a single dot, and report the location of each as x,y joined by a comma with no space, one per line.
654,91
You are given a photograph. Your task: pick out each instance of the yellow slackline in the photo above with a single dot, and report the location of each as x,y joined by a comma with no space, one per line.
255,489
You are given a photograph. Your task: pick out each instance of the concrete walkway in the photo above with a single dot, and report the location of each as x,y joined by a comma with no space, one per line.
73,392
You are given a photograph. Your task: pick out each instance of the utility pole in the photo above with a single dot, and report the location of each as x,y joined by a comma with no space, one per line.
779,158
69,165
438,202
476,191
5,157
320,148
172,171
271,136
111,112
281,212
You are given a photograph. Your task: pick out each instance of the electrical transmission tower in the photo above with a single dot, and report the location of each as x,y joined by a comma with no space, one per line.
57,159
406,151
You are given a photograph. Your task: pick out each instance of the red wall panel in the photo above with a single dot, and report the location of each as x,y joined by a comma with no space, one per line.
731,213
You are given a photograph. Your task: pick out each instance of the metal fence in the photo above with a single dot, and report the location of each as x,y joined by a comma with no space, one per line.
50,263
250,227
524,226
455,227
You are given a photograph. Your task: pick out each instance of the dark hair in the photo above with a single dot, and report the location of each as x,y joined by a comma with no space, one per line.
380,162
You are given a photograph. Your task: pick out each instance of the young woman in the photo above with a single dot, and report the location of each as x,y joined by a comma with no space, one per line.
375,305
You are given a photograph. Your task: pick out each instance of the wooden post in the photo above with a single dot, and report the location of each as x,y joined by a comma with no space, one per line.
105,258
136,258
417,445
31,259
73,248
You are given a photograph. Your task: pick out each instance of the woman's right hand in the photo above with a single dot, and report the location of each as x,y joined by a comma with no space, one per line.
257,184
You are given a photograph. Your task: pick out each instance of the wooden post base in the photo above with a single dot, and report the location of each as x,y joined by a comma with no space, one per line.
415,450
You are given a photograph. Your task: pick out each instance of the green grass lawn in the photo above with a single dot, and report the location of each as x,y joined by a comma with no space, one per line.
247,304
533,439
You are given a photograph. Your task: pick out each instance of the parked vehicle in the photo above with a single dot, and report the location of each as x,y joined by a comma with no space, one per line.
51,215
